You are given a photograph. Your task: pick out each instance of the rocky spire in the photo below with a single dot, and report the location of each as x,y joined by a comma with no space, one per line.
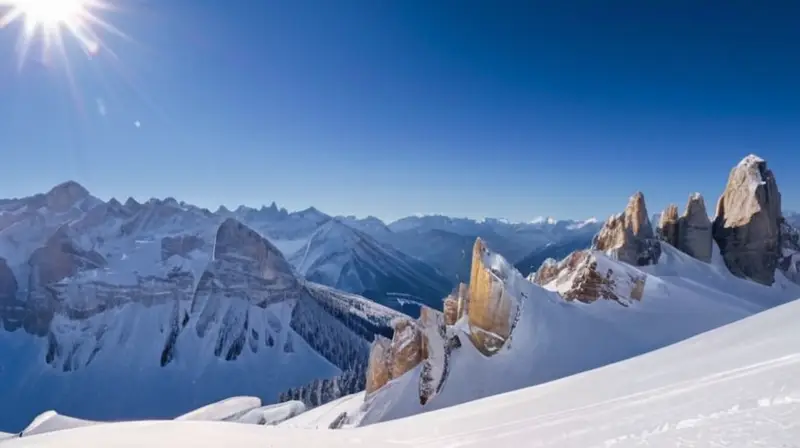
668,225
694,229
629,236
746,226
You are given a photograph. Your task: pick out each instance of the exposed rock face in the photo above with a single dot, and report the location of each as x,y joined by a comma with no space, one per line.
241,250
546,273
582,276
59,259
746,227
629,236
668,225
407,350
450,310
180,245
694,230
490,306
455,304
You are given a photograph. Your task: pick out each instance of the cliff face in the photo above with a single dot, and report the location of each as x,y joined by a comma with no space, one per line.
489,305
694,229
746,227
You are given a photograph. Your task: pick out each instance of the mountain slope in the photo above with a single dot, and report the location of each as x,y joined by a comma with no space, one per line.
734,386
350,260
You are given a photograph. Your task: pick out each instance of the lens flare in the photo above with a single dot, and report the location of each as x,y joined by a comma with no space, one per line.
53,20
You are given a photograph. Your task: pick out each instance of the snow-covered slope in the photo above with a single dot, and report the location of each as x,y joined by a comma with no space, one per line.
553,338
196,323
735,386
350,260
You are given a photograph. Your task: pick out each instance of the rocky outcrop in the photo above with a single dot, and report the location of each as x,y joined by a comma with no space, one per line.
392,359
423,341
694,229
180,245
490,306
689,233
379,367
586,277
407,348
629,236
746,227
668,225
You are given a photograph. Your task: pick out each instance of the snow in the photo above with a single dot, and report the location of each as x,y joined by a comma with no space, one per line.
735,386
223,410
322,416
273,414
554,339
52,421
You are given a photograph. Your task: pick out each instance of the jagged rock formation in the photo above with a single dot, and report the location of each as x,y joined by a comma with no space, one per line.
485,306
668,225
629,236
379,370
584,277
746,227
489,305
689,233
694,229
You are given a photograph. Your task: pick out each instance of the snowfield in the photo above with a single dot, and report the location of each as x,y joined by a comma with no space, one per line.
735,386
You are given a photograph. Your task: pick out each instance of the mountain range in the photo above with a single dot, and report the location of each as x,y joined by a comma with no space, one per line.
91,290
579,339
186,306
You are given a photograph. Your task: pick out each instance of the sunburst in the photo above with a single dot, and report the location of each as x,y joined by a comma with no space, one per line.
52,20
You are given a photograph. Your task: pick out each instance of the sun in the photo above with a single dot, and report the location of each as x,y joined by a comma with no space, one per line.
50,14
52,20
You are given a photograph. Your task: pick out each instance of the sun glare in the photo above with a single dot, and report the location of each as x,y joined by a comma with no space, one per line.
53,20
52,13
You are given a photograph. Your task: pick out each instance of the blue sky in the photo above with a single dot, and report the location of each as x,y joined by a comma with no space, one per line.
508,109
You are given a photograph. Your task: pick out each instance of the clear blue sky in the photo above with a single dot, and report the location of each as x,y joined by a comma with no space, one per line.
469,108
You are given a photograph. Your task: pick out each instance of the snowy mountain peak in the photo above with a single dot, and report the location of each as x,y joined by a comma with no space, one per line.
132,203
544,220
65,195
750,160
